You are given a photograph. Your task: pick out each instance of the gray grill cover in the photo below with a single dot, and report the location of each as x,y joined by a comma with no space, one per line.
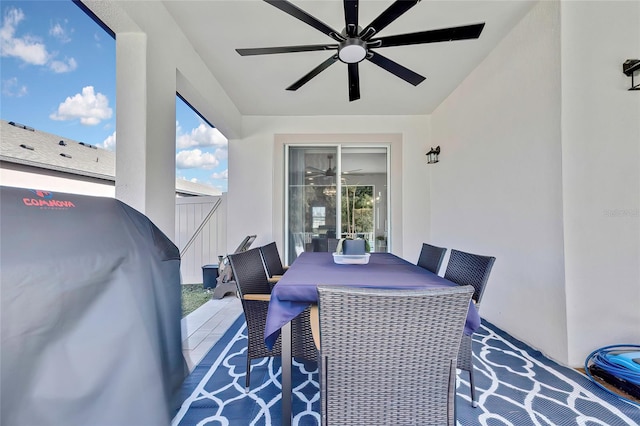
90,313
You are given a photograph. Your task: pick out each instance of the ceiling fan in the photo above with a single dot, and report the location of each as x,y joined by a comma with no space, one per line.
355,44
314,172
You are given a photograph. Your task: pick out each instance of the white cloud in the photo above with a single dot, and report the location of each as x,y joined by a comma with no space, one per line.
27,48
203,135
222,175
89,107
60,32
97,39
221,153
60,66
196,159
184,178
31,49
57,31
109,143
11,87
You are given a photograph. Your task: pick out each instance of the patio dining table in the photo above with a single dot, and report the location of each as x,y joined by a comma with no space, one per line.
297,290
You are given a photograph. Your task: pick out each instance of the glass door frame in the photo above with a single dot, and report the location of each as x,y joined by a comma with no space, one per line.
339,146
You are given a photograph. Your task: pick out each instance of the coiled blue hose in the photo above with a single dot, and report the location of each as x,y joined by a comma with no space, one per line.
602,358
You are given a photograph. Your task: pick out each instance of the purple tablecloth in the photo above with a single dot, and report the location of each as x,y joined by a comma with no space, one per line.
297,289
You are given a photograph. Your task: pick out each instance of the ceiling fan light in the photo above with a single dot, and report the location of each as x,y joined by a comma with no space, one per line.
352,51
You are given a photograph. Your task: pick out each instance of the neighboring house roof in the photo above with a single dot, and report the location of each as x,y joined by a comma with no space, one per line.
185,187
25,145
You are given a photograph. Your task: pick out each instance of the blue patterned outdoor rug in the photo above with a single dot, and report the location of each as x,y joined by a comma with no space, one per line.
516,385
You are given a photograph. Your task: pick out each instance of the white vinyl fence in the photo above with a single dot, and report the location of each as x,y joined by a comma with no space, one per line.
201,234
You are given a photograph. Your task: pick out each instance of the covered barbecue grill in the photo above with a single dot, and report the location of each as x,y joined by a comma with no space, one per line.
90,313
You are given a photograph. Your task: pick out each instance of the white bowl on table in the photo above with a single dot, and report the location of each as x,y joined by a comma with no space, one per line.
351,259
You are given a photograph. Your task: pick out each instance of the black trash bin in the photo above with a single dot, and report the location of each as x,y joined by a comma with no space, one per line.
209,276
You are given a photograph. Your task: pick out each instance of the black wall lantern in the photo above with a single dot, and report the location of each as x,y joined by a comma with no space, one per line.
629,67
432,156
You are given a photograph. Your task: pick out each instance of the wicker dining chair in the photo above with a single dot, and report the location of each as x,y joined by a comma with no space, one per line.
388,356
254,292
272,262
431,257
469,269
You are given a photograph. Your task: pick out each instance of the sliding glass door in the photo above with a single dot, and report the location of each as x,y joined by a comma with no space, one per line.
333,192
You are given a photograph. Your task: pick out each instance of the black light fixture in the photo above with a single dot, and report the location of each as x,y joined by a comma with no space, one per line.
432,156
629,67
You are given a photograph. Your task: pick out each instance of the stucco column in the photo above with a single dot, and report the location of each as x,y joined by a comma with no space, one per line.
145,130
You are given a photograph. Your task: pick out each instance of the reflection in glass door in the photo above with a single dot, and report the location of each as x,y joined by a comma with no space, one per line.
311,199
335,192
364,180
358,213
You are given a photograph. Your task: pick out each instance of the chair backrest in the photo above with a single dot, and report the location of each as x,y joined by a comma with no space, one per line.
249,273
271,258
332,244
431,257
469,269
251,278
320,244
246,243
390,355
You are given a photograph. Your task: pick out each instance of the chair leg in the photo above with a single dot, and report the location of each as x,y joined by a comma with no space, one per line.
465,363
323,384
453,414
247,376
474,404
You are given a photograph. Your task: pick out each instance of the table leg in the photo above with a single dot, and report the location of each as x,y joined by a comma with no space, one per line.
285,332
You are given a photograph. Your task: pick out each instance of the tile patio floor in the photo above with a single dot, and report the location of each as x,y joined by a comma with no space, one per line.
202,328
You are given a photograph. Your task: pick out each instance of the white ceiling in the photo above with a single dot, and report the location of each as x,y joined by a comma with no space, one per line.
256,84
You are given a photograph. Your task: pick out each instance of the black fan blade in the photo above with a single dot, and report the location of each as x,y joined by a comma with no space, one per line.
351,17
392,13
317,70
433,36
314,169
300,14
395,68
354,82
285,49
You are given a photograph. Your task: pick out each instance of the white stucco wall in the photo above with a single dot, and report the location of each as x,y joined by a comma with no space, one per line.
56,182
255,172
498,187
601,172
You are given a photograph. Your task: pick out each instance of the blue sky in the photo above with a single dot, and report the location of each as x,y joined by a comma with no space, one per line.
58,76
